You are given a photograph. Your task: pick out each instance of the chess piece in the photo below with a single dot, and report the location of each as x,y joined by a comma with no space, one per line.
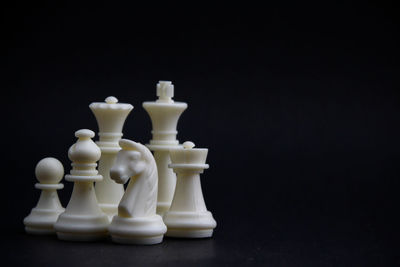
137,221
49,172
110,116
164,114
83,220
188,216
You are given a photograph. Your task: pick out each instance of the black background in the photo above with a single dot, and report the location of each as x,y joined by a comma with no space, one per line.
299,106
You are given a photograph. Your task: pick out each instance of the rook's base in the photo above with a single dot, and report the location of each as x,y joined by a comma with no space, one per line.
189,224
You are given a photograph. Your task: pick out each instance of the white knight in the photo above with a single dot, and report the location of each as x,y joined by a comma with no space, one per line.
137,221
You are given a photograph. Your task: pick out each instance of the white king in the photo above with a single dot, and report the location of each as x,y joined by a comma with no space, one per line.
164,114
110,116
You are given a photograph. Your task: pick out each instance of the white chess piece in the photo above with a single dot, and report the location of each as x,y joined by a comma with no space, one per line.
137,221
188,216
49,172
83,220
164,114
110,116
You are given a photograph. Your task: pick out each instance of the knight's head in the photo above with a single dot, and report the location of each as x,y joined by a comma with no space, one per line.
130,161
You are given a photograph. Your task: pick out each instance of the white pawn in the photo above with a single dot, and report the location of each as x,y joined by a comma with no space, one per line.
49,172
83,220
137,221
188,216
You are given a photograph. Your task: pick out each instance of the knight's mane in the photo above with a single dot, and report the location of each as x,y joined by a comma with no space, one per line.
130,145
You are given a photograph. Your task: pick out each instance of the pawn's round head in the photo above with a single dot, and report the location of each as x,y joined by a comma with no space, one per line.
49,171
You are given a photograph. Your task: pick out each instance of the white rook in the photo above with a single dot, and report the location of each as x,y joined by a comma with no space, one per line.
164,114
188,216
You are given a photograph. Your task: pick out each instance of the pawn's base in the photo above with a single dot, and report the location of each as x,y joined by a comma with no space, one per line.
39,231
41,221
141,231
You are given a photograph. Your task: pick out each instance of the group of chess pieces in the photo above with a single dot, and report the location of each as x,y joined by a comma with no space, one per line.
164,194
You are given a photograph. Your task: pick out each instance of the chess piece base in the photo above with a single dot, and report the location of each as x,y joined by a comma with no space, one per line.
81,227
39,231
141,231
41,221
189,224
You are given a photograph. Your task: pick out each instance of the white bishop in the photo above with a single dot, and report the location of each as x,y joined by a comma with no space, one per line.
83,220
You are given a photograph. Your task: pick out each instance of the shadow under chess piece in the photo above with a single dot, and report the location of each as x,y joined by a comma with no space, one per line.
83,219
137,221
188,216
49,172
